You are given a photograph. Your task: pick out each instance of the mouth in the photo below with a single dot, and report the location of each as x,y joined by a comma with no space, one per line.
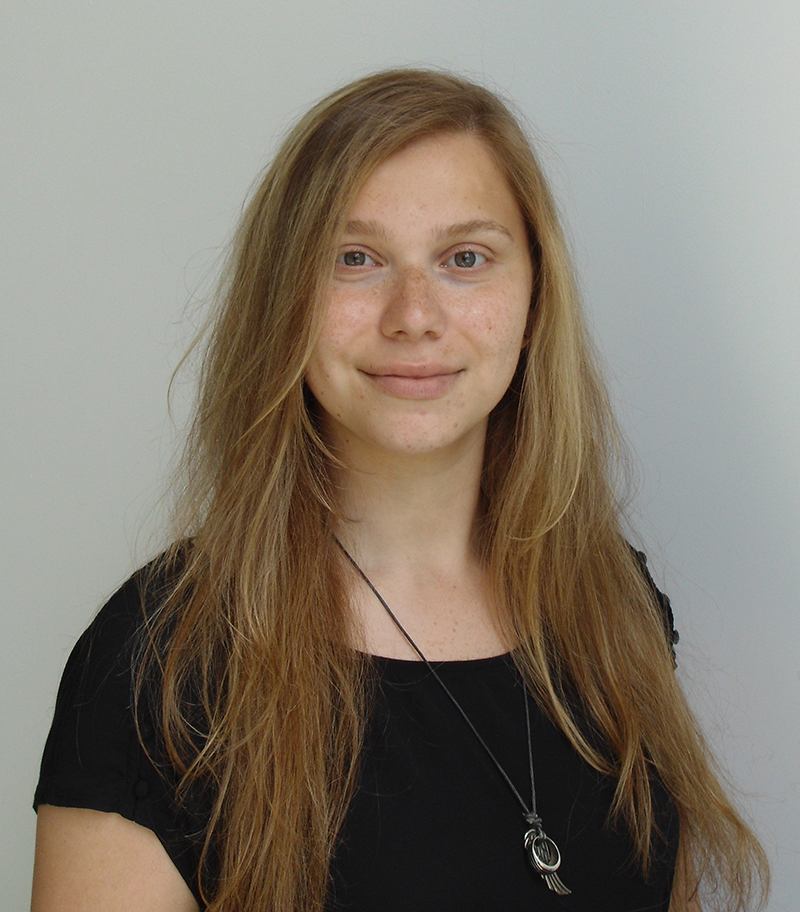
430,381
412,371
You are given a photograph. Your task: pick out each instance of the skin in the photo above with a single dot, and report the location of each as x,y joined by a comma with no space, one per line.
430,300
90,861
421,338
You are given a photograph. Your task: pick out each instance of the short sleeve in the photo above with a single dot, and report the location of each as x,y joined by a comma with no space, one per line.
93,757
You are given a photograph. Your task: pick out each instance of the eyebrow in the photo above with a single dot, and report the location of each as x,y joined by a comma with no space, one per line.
473,226
370,228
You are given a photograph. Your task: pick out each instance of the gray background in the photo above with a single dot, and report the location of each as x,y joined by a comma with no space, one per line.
671,132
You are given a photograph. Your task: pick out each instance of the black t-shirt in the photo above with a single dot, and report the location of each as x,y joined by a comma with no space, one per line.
433,826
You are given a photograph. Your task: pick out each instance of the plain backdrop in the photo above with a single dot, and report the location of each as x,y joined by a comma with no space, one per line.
131,133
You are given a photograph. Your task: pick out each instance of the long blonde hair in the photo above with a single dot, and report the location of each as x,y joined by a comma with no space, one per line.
263,699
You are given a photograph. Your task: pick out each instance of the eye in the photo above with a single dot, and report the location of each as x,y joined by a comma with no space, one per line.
354,258
466,259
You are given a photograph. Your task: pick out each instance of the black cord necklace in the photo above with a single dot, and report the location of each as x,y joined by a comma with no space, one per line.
542,852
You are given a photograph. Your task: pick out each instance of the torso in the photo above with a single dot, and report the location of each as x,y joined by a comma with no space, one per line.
434,827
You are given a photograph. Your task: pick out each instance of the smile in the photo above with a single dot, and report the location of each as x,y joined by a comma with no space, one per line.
415,383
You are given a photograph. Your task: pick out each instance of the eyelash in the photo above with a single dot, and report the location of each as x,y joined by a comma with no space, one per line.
346,253
468,251
480,259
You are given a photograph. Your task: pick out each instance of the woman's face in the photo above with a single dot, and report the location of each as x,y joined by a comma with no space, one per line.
430,301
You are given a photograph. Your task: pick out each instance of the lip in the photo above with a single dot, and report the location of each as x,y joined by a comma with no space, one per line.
410,381
430,369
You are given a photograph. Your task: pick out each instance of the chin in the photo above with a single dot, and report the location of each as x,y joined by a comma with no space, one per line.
443,441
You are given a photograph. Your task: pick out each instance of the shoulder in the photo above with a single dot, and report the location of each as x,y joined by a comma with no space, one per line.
104,751
661,600
90,750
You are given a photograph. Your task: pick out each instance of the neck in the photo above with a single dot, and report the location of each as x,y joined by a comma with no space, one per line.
421,511
410,522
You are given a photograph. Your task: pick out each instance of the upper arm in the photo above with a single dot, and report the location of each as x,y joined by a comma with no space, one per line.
91,861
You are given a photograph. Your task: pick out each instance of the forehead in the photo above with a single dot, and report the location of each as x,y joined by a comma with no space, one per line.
450,176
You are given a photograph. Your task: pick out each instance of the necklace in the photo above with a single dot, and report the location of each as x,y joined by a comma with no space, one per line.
540,849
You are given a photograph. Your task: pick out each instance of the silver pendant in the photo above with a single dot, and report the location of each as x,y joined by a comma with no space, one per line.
545,858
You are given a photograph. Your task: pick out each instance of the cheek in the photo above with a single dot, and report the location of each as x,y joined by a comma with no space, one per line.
318,376
347,316
332,346
502,327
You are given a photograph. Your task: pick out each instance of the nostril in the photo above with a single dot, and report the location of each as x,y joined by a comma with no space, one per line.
413,307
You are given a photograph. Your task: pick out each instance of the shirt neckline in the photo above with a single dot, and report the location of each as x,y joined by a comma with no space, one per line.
483,661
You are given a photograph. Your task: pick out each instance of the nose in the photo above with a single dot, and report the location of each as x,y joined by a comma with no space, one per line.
412,309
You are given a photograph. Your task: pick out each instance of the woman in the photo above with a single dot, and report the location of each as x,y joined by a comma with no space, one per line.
397,506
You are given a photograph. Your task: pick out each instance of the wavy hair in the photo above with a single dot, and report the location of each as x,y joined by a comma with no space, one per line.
263,699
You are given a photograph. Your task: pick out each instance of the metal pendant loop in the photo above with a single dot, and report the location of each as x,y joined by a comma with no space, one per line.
542,852
545,858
